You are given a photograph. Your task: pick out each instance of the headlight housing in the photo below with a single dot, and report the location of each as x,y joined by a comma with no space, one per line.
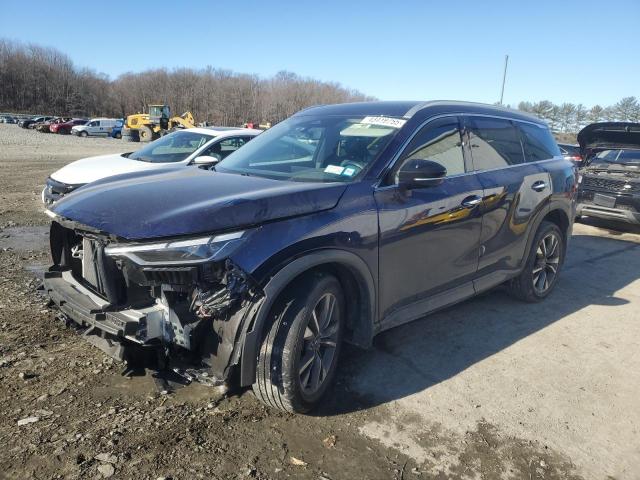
178,252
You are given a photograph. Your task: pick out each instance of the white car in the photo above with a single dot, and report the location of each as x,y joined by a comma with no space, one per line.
201,147
96,127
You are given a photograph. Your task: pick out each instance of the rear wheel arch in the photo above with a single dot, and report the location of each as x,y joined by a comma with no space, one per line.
551,213
561,219
359,291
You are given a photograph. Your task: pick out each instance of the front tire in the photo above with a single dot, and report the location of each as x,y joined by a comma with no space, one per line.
145,134
83,134
540,274
298,358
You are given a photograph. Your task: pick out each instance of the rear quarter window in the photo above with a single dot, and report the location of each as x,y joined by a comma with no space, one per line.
495,143
538,142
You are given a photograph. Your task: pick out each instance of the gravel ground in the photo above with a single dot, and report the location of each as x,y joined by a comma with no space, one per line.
27,157
488,389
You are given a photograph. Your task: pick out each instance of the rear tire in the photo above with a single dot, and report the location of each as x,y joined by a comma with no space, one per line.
298,358
545,259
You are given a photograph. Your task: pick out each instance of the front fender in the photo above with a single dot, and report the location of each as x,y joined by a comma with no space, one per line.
276,285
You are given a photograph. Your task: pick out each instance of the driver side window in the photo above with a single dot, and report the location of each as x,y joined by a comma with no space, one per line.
224,147
440,142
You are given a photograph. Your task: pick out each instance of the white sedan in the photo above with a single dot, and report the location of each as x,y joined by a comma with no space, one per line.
202,147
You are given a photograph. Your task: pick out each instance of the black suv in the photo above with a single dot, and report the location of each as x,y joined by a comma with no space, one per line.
610,180
332,226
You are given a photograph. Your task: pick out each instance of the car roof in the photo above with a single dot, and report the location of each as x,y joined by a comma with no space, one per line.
225,131
408,109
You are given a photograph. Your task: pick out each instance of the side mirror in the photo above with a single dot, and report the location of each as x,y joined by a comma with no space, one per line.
418,173
206,160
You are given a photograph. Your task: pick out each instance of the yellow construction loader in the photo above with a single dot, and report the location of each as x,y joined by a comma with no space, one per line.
145,127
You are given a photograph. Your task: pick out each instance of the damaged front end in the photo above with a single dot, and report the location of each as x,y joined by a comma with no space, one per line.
184,299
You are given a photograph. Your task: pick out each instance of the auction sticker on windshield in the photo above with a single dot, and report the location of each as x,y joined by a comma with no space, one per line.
335,169
386,121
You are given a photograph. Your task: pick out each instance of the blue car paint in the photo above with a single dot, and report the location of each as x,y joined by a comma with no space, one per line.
117,130
181,202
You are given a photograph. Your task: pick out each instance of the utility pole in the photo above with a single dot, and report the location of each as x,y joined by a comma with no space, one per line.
504,77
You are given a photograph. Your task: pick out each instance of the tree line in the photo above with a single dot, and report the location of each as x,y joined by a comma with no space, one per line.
571,118
36,79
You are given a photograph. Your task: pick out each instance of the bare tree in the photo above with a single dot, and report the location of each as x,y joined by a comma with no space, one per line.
43,80
35,79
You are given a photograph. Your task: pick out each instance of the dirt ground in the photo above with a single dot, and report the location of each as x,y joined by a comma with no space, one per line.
491,388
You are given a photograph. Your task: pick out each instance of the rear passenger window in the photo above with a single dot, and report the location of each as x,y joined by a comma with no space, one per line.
440,142
495,143
538,142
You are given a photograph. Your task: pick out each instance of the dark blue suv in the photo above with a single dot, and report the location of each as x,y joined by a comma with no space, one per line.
332,226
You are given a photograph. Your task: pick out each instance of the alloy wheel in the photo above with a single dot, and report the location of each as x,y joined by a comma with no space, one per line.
547,262
320,342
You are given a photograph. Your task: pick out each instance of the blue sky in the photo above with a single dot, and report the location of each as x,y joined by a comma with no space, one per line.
575,51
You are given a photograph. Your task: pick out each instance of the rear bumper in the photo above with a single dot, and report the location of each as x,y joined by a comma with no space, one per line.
89,310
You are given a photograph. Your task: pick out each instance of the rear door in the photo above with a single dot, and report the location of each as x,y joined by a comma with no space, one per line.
514,192
429,237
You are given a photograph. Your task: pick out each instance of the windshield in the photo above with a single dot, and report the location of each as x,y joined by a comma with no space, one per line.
174,147
314,149
624,157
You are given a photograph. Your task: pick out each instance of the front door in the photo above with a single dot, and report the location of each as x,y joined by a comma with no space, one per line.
429,237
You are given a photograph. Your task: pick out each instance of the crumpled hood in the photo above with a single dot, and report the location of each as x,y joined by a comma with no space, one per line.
190,201
609,135
91,169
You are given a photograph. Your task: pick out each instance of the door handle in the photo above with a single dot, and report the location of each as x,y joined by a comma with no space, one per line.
471,201
539,186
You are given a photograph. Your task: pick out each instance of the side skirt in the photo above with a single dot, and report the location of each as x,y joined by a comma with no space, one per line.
445,299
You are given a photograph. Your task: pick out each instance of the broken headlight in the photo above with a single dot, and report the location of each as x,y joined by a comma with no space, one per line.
177,252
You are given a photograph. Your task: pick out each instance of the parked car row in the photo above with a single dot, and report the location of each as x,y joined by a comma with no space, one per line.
64,127
82,127
255,268
8,119
32,121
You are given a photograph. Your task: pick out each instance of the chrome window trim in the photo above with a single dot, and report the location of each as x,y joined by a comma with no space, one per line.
396,156
476,172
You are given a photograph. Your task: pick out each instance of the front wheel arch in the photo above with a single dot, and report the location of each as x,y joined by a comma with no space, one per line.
355,278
